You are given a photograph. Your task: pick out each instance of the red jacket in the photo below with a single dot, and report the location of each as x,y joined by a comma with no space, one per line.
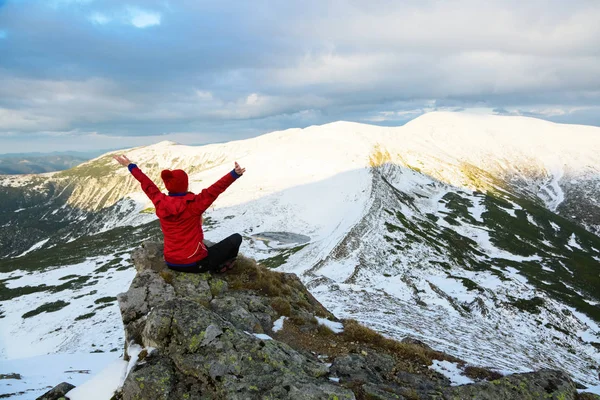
180,217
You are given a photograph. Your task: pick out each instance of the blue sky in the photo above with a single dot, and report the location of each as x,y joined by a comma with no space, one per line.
85,74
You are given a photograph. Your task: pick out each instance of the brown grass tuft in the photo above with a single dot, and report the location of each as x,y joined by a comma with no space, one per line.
410,353
479,373
282,306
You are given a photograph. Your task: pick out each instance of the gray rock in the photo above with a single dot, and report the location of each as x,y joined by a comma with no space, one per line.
147,290
149,256
381,392
154,379
192,286
236,365
57,392
235,313
373,368
421,382
10,376
542,384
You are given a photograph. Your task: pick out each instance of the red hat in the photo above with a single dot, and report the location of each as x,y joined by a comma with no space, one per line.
176,181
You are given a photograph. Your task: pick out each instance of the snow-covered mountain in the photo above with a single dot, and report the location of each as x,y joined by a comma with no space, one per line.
474,233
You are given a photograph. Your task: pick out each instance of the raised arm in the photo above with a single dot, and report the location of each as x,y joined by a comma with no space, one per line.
149,187
207,196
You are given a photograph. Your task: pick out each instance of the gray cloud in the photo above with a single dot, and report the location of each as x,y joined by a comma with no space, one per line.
148,68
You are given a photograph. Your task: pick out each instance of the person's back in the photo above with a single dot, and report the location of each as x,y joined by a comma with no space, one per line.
180,215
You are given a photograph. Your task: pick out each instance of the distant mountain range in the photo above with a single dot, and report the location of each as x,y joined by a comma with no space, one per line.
38,163
476,234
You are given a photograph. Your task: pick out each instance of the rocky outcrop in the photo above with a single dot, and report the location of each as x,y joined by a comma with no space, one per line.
257,334
206,341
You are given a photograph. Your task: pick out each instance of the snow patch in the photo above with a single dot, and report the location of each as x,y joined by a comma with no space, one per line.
336,327
41,373
278,325
451,371
103,385
573,243
262,336
34,247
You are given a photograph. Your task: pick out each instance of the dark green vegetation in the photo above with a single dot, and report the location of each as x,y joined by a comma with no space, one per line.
26,214
103,300
530,305
114,242
48,307
518,226
281,258
85,316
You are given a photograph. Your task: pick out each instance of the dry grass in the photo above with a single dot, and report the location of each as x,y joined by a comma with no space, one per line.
167,275
586,396
356,339
282,306
482,374
247,274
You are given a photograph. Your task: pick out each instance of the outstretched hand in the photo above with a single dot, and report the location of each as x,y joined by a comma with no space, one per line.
123,160
239,170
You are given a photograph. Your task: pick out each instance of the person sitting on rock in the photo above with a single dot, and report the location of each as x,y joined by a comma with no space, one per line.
180,215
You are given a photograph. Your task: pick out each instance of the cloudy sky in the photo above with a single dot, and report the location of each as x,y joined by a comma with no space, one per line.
89,74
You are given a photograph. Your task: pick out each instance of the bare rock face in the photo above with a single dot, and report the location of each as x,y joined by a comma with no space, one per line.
149,256
211,336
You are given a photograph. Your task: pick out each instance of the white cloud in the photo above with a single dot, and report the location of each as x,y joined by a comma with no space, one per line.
99,18
252,99
22,120
142,18
204,95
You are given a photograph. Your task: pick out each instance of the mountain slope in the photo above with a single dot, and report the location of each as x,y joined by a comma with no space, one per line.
474,233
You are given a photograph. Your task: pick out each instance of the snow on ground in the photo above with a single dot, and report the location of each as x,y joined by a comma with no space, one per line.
336,327
573,243
552,193
102,385
478,208
262,336
591,389
41,373
34,247
278,325
61,331
451,371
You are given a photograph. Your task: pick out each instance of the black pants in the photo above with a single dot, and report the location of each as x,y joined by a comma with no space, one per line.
218,254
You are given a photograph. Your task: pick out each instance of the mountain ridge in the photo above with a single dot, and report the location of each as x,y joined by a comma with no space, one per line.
404,236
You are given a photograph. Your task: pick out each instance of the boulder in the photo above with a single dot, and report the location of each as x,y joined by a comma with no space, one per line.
57,392
149,256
